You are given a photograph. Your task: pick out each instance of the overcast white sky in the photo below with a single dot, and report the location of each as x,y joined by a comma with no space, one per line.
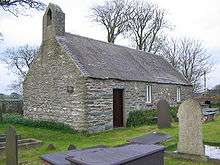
199,19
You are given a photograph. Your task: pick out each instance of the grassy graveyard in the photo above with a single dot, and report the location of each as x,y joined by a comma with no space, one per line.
62,139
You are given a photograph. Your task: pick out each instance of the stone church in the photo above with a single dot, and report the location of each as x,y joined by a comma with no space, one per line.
92,85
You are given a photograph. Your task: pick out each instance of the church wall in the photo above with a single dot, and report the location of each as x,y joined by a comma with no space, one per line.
99,99
54,88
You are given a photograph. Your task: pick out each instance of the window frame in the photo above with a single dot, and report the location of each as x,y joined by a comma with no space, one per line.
148,94
178,94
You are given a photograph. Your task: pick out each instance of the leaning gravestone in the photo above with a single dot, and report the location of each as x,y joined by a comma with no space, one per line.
163,119
190,128
11,147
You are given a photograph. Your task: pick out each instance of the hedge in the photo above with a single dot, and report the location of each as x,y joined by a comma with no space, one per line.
147,117
21,120
141,117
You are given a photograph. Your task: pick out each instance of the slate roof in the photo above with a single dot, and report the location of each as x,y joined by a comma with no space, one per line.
98,59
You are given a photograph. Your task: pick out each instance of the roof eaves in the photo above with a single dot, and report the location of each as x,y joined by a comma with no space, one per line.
155,82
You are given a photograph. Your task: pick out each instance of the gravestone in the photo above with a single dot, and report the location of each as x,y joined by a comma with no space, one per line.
190,128
11,147
163,119
150,138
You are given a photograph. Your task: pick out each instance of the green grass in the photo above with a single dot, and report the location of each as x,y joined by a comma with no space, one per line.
61,140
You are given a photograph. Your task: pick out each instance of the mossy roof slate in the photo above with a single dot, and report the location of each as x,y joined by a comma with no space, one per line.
98,59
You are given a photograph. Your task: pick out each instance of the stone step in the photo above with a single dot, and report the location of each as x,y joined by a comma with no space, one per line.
23,143
3,137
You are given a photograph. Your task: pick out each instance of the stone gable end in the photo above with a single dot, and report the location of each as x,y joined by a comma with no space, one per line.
46,94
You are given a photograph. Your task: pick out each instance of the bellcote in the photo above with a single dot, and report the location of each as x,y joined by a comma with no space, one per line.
53,22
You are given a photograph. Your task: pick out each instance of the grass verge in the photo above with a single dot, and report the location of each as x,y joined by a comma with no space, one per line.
61,139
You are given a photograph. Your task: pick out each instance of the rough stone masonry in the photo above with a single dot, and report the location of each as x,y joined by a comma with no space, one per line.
73,77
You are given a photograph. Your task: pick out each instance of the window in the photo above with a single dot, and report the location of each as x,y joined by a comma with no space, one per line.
178,99
49,17
148,94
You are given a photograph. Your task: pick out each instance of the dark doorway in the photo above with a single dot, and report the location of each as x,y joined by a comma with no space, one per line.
117,108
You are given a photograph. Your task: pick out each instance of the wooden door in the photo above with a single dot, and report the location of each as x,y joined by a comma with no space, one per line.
117,107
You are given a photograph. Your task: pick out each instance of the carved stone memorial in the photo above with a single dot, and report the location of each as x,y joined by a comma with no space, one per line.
190,128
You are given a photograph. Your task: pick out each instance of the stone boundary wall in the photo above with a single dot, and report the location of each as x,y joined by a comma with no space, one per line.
11,106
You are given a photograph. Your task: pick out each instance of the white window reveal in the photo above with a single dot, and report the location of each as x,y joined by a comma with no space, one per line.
148,94
178,94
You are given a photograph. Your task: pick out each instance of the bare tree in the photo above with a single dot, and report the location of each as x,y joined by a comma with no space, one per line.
15,6
146,24
114,16
19,61
189,57
157,44
160,23
171,51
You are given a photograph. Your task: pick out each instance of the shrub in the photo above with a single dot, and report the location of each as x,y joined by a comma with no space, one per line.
141,117
19,119
173,113
147,117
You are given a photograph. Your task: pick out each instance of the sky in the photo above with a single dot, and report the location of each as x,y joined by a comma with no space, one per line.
198,19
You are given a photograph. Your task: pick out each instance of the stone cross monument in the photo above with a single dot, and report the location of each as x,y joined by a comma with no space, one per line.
190,128
164,119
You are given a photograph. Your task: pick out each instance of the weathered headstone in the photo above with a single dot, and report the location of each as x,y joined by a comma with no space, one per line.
164,118
11,147
190,128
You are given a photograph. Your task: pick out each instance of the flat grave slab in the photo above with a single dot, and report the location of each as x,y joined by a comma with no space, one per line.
133,154
59,158
151,138
55,159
